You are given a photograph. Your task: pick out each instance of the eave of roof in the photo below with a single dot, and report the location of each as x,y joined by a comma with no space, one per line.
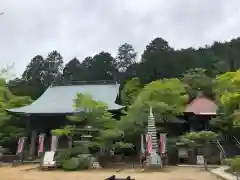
59,99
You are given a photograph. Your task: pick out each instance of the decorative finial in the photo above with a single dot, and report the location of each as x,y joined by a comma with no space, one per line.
150,112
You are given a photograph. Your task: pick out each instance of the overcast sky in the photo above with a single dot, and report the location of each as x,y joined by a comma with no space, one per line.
84,27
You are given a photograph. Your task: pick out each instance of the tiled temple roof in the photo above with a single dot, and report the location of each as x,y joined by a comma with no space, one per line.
202,106
60,99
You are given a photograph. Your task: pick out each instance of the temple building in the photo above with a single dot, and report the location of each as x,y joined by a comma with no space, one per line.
197,116
50,110
199,112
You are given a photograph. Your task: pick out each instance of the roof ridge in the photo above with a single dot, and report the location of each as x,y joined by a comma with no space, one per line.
73,83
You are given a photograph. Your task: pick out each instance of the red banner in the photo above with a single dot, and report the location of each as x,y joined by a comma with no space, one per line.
149,143
20,145
163,143
41,143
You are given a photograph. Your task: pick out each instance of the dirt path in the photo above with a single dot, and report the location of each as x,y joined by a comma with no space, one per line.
176,173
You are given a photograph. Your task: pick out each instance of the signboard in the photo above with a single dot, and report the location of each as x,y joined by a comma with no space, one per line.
48,158
200,159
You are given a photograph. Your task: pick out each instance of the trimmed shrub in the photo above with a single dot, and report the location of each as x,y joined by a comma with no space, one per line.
234,165
61,157
71,164
77,158
79,150
84,162
76,163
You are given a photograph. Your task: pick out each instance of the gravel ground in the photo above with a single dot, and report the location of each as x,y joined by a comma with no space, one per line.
172,173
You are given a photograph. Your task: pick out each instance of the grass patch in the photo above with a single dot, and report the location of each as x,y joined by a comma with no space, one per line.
229,171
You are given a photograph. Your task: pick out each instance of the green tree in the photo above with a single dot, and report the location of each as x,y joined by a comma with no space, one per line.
157,60
34,69
11,126
126,56
228,91
100,67
130,91
86,67
31,83
53,67
228,98
228,54
202,139
38,75
167,97
96,114
236,119
72,70
65,131
197,81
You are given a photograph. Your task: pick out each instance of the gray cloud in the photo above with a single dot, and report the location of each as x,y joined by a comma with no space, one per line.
85,27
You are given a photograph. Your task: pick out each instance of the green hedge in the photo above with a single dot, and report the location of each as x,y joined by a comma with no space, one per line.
234,164
74,159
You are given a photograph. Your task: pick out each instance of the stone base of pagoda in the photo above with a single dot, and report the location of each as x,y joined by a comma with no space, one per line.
154,161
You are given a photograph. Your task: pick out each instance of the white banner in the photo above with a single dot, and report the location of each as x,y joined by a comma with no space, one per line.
54,143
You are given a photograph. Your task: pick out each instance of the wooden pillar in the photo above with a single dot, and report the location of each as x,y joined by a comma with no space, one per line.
32,149
192,121
192,156
20,148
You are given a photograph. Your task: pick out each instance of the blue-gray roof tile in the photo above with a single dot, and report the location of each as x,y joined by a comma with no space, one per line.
60,99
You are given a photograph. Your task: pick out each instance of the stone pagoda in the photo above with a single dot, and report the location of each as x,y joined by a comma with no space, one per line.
153,159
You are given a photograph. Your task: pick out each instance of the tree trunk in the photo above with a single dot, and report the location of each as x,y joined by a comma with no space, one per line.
205,156
205,163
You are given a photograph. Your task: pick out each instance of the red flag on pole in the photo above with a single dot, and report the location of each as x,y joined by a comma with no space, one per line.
41,143
163,143
20,145
149,143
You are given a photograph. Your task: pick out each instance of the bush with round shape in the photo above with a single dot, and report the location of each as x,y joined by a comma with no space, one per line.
76,163
61,157
234,165
71,164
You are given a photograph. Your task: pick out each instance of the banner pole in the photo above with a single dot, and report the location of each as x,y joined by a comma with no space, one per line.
41,140
20,148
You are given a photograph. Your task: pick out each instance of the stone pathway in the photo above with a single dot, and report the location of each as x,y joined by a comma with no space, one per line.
221,173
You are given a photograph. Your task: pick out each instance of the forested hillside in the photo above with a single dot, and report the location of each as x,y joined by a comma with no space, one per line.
158,60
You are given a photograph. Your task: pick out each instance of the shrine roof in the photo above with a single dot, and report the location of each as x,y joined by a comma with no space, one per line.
60,99
202,106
